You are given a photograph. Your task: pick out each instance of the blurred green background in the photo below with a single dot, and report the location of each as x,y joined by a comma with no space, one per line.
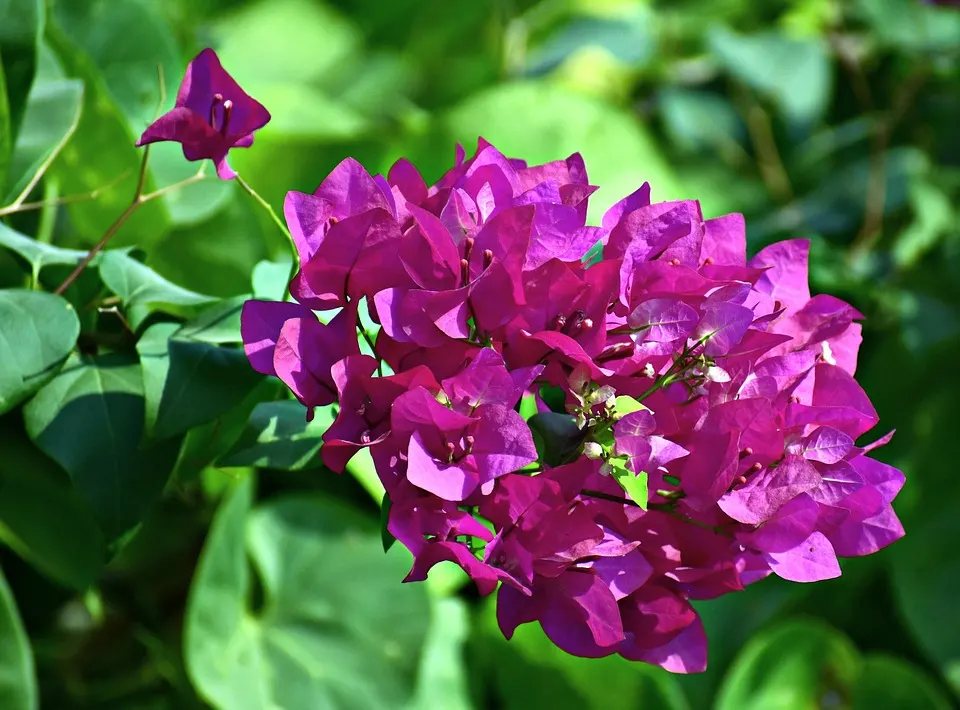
836,120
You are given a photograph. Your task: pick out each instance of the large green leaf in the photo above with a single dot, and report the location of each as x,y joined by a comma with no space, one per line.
18,686
538,122
90,419
52,113
888,683
21,25
142,290
43,517
37,333
796,664
926,575
188,382
102,151
336,630
529,671
278,435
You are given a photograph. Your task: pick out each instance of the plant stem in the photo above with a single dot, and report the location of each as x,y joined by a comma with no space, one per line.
138,199
276,220
667,508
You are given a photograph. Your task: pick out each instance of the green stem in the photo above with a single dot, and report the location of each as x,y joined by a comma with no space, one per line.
276,220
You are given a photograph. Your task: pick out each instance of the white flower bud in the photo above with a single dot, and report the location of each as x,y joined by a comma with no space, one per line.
592,450
648,371
827,353
606,469
717,374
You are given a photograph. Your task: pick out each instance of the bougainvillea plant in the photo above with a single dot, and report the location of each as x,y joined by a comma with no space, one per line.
599,423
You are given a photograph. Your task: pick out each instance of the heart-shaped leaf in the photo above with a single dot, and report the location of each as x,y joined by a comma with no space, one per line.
336,629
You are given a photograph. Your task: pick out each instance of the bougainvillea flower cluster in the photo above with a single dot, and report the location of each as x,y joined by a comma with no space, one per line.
603,423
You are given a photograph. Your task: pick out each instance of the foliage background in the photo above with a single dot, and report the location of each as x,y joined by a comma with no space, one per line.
831,119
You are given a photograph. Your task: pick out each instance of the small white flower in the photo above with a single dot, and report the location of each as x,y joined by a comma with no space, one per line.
827,353
592,450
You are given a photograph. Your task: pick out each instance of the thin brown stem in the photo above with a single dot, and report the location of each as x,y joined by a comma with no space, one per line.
138,199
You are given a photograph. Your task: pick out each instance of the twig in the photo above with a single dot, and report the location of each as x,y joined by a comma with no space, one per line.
45,165
138,199
770,164
14,207
276,219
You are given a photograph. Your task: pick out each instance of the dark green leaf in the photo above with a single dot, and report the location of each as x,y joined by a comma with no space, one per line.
52,115
888,683
557,436
204,444
38,254
188,383
37,333
278,435
335,631
89,419
386,537
21,25
18,686
926,575
797,664
43,517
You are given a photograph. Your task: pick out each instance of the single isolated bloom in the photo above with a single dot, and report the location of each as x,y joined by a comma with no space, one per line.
211,116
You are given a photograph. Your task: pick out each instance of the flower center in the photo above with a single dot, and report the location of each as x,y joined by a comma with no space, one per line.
226,108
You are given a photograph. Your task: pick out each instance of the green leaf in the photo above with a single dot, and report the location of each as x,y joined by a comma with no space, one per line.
888,683
21,25
102,151
43,518
89,419
557,436
37,333
18,684
633,484
696,120
328,634
143,290
218,324
187,383
279,436
38,254
625,405
270,280
796,664
543,122
386,537
52,114
793,73
926,575
911,26
204,444
6,140
529,671
442,680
